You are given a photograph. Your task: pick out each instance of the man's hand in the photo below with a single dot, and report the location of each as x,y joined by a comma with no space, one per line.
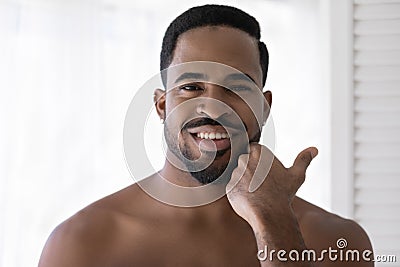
261,190
275,185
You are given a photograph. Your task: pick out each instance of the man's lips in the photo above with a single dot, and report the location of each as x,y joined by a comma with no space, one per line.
207,129
212,144
211,137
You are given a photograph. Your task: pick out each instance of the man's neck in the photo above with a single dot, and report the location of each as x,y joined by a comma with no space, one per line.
176,183
178,176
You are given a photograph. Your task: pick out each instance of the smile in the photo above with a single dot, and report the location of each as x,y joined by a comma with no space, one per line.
212,135
211,138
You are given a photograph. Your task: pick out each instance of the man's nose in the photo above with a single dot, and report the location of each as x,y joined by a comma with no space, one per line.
214,105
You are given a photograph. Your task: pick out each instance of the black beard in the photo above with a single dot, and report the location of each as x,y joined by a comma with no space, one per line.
211,173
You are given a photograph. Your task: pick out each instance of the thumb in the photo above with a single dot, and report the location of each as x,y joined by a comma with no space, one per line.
304,158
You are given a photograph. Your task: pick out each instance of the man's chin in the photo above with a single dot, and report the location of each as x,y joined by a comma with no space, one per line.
220,171
217,174
205,177
218,154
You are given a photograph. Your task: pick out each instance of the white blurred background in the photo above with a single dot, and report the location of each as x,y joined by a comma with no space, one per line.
69,69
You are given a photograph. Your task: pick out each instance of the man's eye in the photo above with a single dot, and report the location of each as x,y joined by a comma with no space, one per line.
190,87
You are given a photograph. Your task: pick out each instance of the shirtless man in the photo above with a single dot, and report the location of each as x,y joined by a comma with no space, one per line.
131,228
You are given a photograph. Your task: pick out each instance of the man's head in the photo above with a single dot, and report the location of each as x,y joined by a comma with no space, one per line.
229,37
212,15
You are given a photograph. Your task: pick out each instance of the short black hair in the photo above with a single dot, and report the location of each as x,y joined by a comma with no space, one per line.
211,15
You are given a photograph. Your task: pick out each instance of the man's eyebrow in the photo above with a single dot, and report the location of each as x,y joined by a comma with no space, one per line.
191,75
239,76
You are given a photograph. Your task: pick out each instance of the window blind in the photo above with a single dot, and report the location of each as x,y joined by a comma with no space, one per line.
376,36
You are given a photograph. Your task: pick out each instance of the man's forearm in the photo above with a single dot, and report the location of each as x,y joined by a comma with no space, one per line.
277,233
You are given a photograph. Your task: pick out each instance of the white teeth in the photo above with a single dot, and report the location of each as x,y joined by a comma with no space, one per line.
212,135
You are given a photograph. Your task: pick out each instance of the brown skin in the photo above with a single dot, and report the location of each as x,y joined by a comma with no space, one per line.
129,228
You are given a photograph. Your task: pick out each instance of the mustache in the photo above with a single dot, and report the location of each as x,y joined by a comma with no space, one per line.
208,121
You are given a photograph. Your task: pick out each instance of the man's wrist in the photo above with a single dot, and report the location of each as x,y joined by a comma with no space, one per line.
270,215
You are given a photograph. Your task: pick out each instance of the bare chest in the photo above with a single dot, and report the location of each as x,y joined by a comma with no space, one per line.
175,246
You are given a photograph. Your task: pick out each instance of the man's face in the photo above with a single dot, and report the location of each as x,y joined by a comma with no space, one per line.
223,116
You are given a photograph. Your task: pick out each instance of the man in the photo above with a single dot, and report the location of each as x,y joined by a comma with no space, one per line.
266,225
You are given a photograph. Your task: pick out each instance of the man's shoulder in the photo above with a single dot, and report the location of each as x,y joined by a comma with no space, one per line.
323,229
96,229
109,213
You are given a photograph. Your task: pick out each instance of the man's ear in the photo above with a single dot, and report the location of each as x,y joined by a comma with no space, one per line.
267,105
159,102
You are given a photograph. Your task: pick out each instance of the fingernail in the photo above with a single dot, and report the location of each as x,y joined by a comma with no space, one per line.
314,153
